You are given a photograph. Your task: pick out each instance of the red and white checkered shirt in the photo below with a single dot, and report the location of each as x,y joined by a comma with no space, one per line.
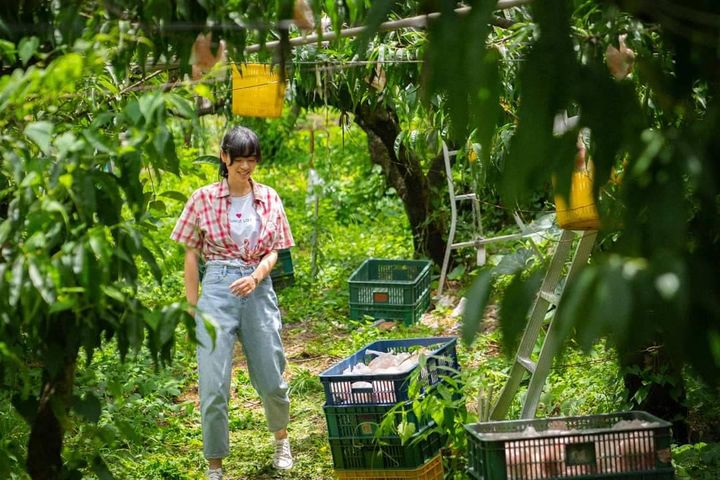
204,224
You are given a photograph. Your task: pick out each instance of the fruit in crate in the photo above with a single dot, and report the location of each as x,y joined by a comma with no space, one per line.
568,453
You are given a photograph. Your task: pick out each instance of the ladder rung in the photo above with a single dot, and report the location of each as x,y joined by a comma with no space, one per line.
551,298
465,196
528,364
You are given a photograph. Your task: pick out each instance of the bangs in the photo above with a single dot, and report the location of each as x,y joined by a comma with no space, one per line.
241,142
244,149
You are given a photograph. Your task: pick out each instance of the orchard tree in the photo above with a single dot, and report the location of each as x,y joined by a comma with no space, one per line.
80,150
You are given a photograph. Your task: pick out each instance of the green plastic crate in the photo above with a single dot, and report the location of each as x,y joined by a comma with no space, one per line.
369,453
627,445
282,274
390,289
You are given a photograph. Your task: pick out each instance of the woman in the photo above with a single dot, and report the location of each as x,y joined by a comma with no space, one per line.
237,225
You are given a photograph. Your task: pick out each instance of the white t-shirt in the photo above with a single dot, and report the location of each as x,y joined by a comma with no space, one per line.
244,222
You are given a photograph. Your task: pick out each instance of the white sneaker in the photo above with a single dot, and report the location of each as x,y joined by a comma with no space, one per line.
282,459
215,474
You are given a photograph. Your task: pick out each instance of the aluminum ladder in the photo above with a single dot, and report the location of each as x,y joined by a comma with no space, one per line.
549,295
479,240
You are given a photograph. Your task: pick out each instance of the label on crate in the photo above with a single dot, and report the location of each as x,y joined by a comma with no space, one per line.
367,424
381,296
580,453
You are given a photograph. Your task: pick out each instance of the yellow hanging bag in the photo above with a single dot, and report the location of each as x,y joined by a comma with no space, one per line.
257,91
582,213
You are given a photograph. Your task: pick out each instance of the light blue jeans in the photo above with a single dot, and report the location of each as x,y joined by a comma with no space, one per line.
255,321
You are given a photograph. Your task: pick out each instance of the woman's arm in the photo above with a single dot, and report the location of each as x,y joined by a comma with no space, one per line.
265,266
192,277
244,286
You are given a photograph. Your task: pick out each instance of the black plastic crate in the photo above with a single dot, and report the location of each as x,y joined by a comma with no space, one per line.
351,453
390,388
390,289
627,445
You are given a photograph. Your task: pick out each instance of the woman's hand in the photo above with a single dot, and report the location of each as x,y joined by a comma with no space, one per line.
243,286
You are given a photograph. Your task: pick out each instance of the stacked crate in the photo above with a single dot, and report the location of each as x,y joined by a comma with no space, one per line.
356,405
627,445
283,274
390,290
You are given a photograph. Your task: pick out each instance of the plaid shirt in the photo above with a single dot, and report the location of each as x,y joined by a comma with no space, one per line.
204,224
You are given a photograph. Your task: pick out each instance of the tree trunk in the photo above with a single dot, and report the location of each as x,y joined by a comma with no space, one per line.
404,173
44,460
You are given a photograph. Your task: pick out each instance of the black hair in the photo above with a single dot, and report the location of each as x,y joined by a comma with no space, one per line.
239,142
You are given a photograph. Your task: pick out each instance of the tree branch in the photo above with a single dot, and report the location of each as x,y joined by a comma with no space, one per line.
419,21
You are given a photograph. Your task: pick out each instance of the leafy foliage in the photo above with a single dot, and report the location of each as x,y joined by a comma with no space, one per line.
652,280
77,213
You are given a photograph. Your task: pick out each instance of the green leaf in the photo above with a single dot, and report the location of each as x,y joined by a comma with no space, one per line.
405,430
169,153
67,143
513,263
41,283
98,244
209,159
180,197
95,139
114,293
486,104
609,137
610,304
182,106
514,308
7,51
62,304
210,327
135,330
398,142
157,205
149,258
126,429
17,280
88,407
54,206
477,299
378,14
78,258
438,412
152,319
40,133
149,106
132,111
6,229
456,272
574,303
101,469
85,185
27,48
